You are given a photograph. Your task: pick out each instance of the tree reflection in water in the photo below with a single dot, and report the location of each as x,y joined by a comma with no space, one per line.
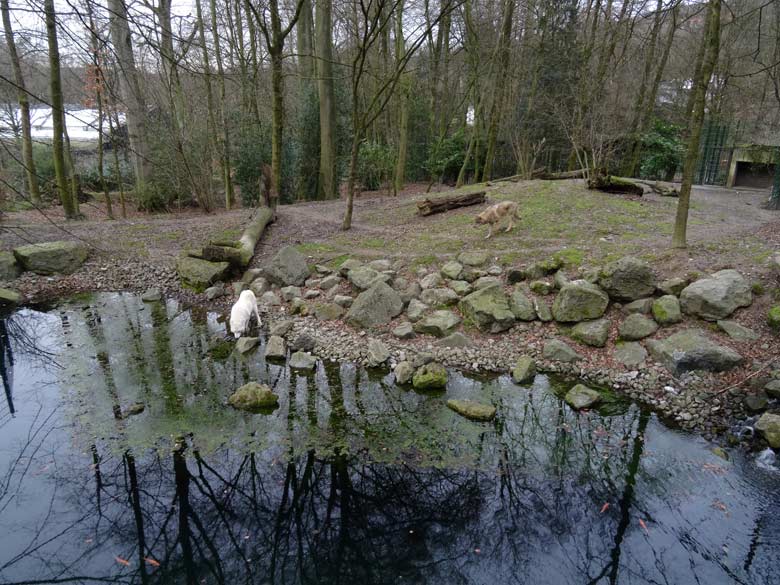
351,480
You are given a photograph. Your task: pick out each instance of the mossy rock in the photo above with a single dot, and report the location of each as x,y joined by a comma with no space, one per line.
773,318
473,410
52,257
254,397
200,274
431,376
581,397
9,298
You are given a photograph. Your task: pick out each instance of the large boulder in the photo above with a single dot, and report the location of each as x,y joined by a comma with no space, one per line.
716,297
9,268
521,306
302,360
666,310
473,258
579,301
200,274
439,297
769,427
636,326
692,350
627,279
375,306
455,340
581,397
9,298
431,376
525,370
253,397
473,410
364,277
52,257
488,309
593,333
287,267
438,323
403,372
558,351
631,354
275,348
416,310
328,311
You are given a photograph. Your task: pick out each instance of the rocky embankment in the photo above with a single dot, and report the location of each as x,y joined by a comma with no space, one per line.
670,344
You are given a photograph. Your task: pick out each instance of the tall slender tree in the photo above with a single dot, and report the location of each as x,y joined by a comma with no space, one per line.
58,113
24,106
328,187
701,82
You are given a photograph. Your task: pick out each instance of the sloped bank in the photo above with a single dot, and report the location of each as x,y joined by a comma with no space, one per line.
589,331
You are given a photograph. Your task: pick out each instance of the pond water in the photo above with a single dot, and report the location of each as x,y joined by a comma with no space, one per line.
350,480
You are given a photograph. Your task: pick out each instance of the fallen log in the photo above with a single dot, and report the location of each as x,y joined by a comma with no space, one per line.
246,244
656,187
610,184
431,205
578,174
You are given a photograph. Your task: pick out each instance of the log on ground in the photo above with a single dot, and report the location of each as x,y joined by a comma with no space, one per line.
263,216
610,184
431,205
577,174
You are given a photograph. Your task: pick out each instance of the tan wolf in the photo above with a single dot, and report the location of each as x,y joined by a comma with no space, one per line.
495,214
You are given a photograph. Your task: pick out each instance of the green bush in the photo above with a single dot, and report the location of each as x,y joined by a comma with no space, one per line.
253,148
375,165
445,157
662,150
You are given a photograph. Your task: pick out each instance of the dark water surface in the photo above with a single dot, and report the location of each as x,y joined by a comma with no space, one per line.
350,480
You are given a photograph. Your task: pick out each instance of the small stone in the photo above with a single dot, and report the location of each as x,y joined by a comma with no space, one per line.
455,340
251,274
260,286
581,397
290,292
593,333
755,402
349,264
630,354
377,353
542,310
416,310
433,280
328,311
303,342
666,310
672,286
134,409
404,331
431,376
636,326
438,323
541,287
253,397
737,332
452,270
474,258
403,372
152,295
329,282
560,280
380,265
643,306
275,348
270,298
282,328
246,344
302,361
773,388
521,306
524,370
769,427
299,307
238,287
343,300
558,351
473,410
494,270
214,292
486,281
311,294
461,287
439,297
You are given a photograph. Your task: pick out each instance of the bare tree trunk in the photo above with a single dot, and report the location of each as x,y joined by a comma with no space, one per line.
225,135
352,177
58,113
277,124
212,119
24,107
696,120
130,88
304,37
403,97
117,170
328,188
500,87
